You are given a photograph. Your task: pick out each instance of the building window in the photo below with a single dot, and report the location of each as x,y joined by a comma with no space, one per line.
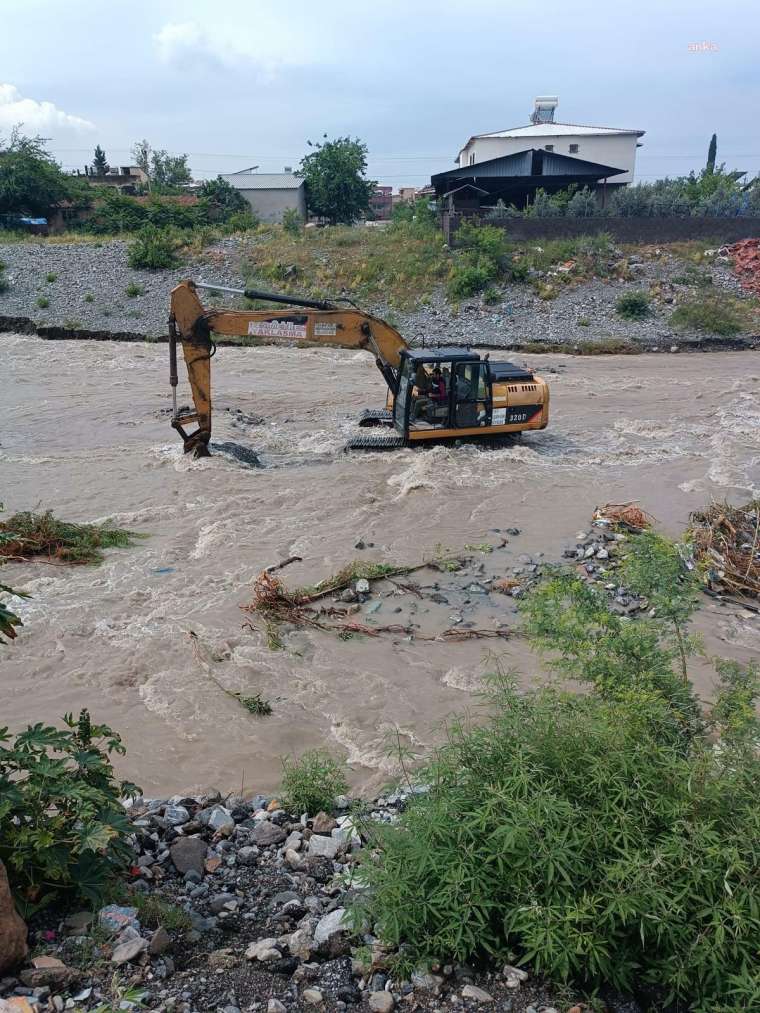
548,147
573,149
472,158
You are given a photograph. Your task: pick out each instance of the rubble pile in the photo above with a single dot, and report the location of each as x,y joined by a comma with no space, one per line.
746,258
726,541
235,905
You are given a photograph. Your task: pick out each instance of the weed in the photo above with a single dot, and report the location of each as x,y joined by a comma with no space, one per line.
43,302
155,248
693,276
153,911
256,704
715,314
133,290
633,306
26,535
89,297
292,222
484,547
584,322
312,783
491,296
51,276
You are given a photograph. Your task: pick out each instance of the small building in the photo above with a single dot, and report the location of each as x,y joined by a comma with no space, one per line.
613,146
124,178
381,203
270,194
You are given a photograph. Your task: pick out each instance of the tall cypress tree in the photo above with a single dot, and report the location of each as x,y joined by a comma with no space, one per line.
712,151
99,164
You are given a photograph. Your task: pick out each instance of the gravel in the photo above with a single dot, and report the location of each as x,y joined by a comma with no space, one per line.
579,313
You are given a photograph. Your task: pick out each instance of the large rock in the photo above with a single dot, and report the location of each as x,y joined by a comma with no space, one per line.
267,833
189,854
127,952
330,926
323,847
381,1002
13,946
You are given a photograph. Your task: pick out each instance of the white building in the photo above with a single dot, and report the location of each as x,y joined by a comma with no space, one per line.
270,194
613,146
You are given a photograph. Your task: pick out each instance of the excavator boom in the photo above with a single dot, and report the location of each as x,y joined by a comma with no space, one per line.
432,394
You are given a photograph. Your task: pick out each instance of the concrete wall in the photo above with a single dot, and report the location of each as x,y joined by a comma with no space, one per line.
617,150
625,230
270,205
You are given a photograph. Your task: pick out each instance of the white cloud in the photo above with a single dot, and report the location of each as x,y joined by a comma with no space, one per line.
35,115
182,42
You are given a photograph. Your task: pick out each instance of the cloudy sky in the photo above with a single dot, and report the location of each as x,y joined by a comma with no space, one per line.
235,83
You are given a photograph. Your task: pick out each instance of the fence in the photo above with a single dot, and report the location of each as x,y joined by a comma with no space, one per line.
625,230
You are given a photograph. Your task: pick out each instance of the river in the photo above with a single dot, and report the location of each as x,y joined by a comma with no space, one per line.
84,431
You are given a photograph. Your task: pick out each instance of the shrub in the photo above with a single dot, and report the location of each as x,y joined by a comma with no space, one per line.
43,302
601,838
89,297
292,222
133,289
63,828
469,279
154,248
51,276
633,306
715,314
312,783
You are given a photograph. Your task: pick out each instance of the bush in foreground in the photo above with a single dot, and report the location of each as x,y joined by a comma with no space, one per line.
312,783
599,838
63,828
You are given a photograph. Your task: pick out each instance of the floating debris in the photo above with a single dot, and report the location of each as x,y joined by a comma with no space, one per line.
27,535
726,542
627,516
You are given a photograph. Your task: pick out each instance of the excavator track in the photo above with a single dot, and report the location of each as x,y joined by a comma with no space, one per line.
379,441
376,417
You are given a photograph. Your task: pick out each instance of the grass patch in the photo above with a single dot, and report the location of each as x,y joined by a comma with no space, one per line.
51,276
694,277
604,346
133,290
312,783
43,302
153,911
633,306
713,314
155,249
89,297
27,535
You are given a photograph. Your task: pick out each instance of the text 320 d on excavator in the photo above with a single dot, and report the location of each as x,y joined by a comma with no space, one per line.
433,394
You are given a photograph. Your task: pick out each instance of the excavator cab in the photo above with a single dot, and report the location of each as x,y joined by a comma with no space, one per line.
453,392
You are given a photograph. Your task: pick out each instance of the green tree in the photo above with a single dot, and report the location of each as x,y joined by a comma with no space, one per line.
168,170
221,197
712,151
31,181
99,164
336,186
141,152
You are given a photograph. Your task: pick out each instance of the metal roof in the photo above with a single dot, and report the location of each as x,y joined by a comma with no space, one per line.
556,130
263,180
446,354
531,164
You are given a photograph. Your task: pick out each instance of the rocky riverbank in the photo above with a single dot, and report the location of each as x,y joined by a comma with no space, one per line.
239,905
89,287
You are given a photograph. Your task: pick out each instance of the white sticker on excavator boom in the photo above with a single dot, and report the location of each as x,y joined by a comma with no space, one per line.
276,329
325,330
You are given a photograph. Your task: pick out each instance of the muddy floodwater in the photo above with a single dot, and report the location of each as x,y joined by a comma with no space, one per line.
84,431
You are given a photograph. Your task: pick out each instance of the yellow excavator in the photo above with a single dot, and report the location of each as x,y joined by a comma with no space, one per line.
433,393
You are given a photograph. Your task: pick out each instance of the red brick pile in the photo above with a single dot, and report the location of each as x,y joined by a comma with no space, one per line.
746,257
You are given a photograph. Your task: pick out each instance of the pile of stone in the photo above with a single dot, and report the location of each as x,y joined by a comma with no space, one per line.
237,904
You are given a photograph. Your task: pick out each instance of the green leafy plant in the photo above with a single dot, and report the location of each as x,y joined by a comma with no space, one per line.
43,302
633,306
154,248
9,620
255,704
334,173
311,783
51,276
63,828
133,289
89,297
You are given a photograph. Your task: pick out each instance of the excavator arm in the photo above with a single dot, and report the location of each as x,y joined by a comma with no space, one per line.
307,322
